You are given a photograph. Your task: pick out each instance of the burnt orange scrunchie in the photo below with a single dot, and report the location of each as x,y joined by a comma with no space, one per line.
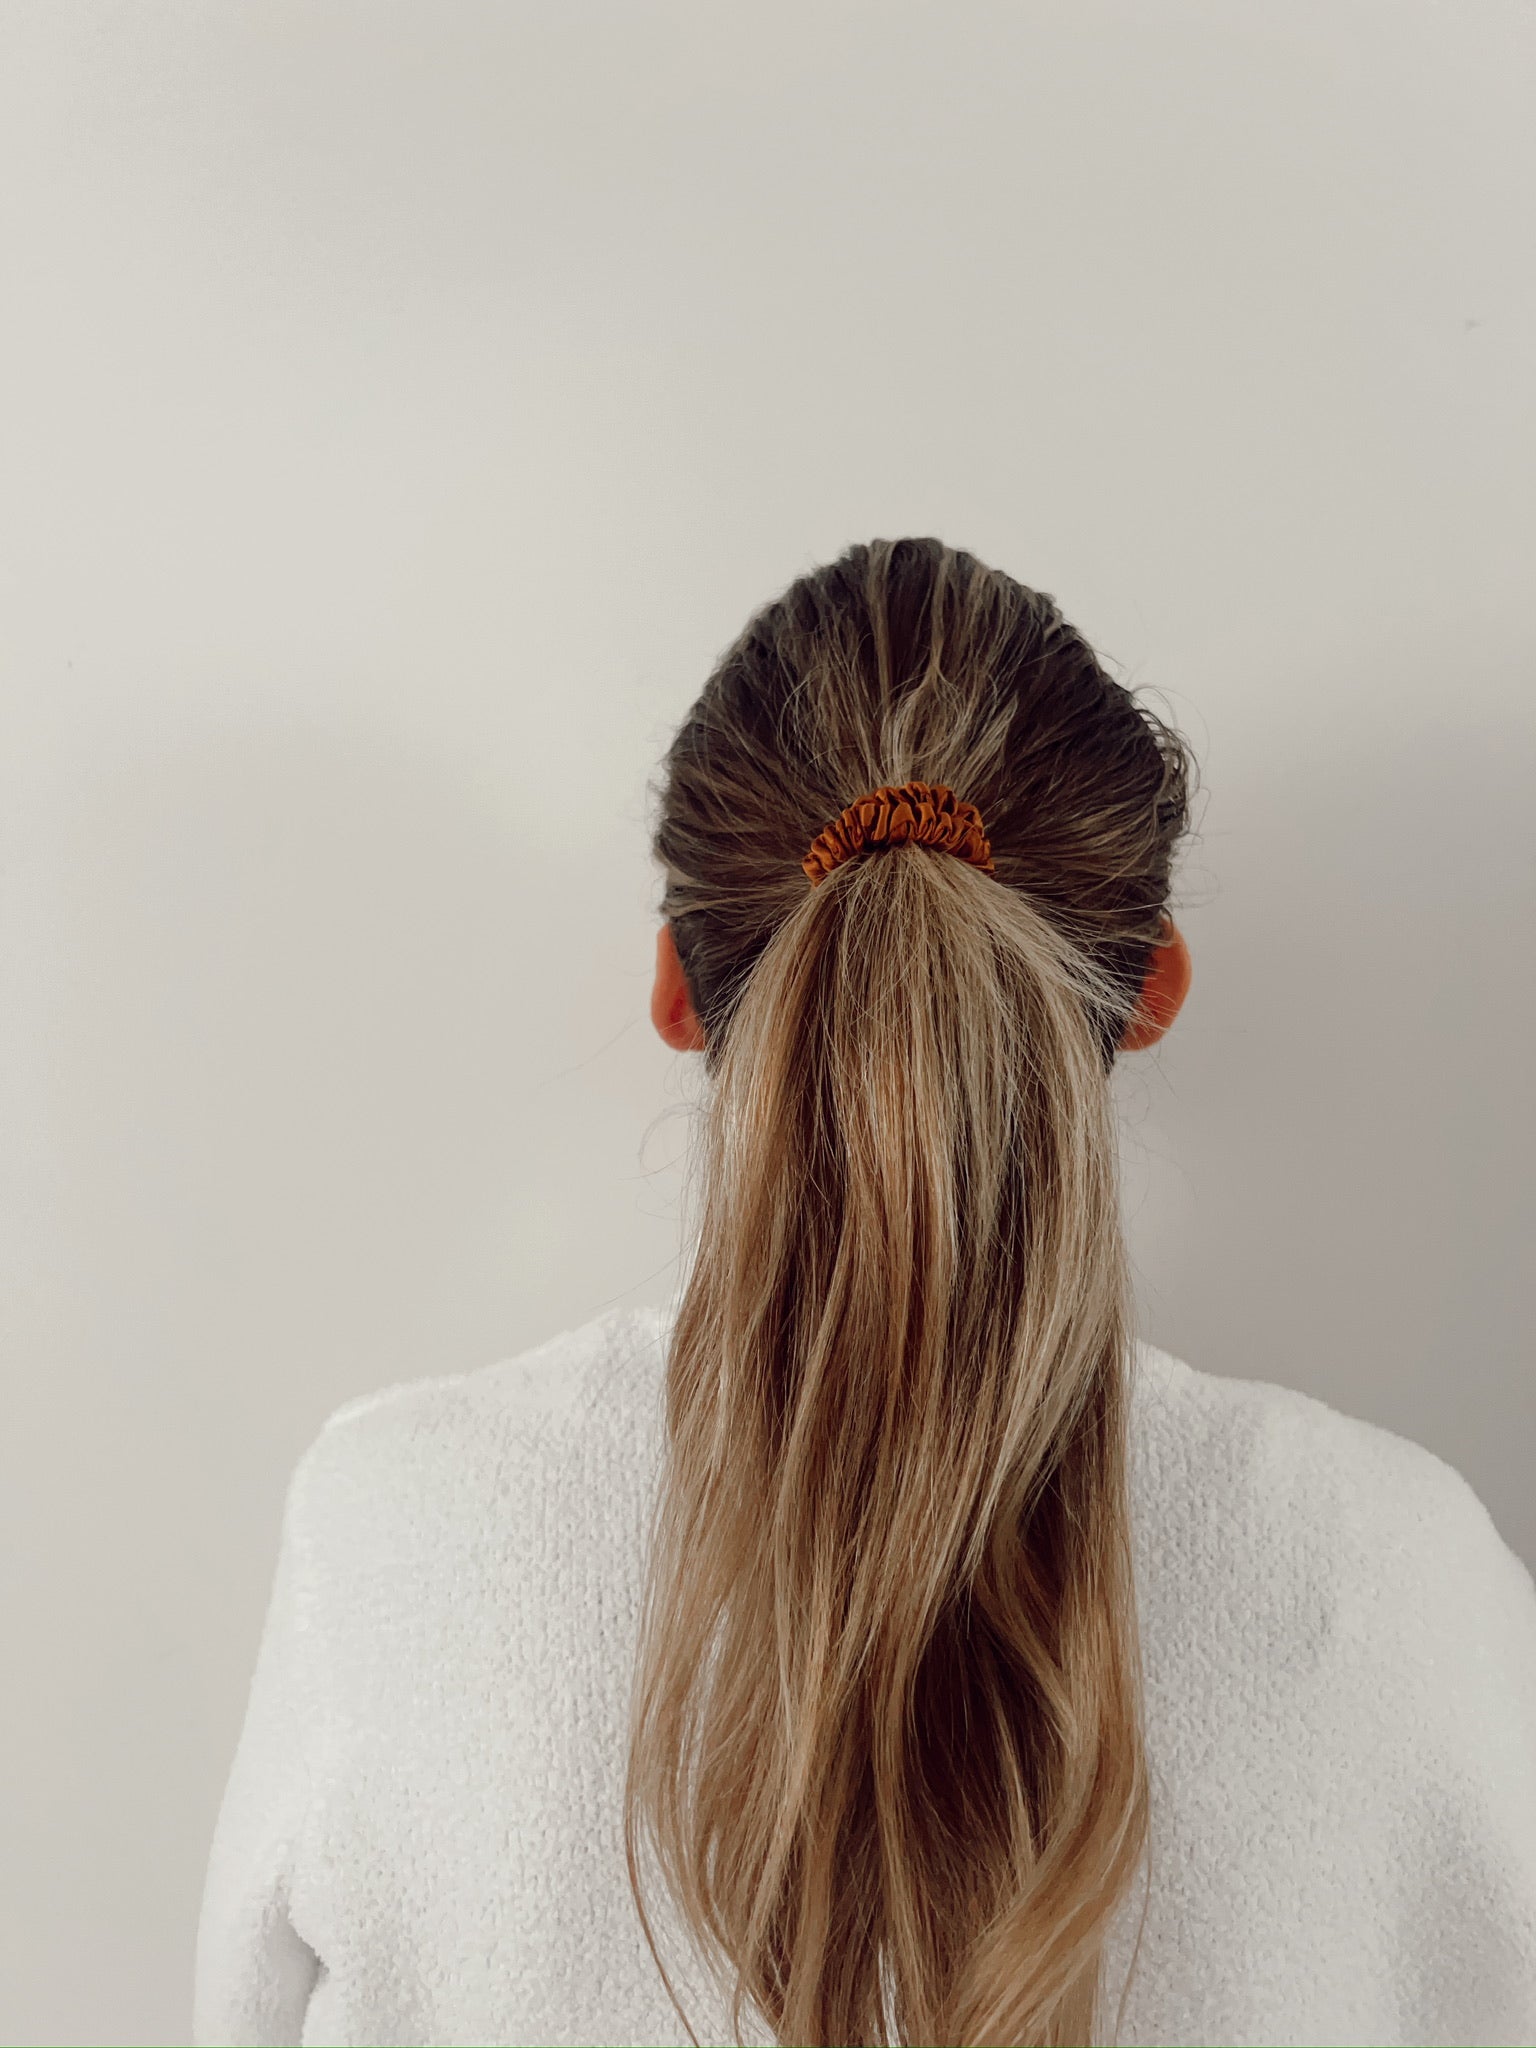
897,814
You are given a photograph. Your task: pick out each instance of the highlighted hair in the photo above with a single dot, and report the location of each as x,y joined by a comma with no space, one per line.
886,1733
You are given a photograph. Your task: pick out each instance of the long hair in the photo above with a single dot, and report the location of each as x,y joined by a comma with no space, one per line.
886,1733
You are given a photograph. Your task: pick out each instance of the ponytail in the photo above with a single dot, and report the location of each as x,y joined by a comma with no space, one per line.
886,1721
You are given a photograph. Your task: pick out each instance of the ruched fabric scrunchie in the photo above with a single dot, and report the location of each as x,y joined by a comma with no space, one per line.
901,814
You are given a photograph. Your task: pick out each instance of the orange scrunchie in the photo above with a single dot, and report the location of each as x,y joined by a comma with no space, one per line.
925,813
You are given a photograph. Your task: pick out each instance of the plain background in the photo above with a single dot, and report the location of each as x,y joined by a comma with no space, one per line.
403,406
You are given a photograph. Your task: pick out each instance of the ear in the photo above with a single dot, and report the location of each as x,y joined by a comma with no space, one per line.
672,1010
1169,973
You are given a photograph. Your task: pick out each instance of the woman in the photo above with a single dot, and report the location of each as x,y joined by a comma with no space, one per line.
970,1670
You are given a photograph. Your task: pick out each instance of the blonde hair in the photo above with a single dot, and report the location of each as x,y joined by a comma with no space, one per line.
886,1731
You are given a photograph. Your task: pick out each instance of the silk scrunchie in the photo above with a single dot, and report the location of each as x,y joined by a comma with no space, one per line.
901,814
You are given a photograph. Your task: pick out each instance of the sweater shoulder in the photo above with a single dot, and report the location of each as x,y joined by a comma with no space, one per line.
1381,1479
421,1452
1279,1485
558,1376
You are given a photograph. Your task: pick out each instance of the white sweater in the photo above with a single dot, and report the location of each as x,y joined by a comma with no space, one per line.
421,1836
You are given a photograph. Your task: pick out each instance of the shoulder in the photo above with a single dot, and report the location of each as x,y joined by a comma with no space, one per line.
1338,1626
1252,1437
435,1440
547,1378
1383,1537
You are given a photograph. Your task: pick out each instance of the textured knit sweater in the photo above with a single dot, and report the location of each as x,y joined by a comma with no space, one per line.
420,1839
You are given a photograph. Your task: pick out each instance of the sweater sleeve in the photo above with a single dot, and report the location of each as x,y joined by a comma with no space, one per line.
253,1973
1470,1890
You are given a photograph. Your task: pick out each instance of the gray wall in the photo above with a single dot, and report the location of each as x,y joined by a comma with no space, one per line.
403,405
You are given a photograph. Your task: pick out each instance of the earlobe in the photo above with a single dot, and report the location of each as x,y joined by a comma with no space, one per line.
672,1011
1168,976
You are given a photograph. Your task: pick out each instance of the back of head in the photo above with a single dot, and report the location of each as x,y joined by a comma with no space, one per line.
886,1740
